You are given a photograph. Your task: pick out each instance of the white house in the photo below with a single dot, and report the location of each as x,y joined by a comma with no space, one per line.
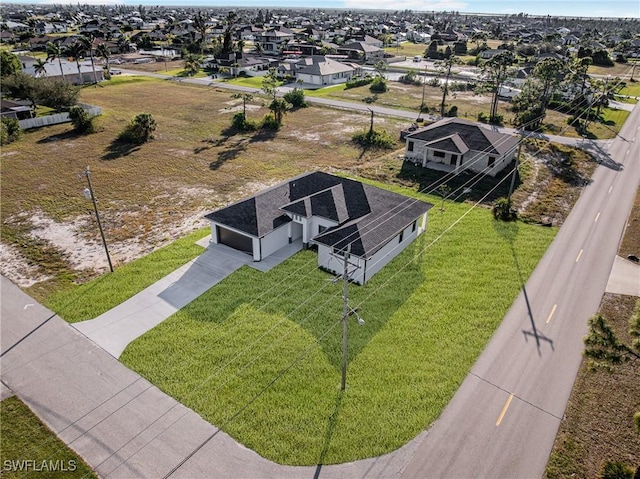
332,213
456,145
320,70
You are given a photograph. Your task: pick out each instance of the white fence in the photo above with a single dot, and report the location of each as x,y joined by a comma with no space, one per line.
57,118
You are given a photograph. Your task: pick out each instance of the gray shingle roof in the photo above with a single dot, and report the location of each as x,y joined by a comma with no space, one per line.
474,137
368,217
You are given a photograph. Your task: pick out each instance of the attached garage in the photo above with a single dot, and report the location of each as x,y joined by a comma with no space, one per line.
234,239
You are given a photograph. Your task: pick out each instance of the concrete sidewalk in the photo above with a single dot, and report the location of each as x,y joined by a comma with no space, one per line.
116,328
624,277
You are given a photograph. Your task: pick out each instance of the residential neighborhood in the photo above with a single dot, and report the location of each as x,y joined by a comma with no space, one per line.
319,241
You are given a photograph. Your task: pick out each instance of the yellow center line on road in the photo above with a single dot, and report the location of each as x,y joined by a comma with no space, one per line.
597,216
553,310
579,255
504,409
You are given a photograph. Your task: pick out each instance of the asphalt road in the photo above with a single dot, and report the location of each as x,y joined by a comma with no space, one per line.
503,420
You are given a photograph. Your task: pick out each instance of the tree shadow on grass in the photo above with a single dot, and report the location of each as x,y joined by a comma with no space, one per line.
118,149
228,154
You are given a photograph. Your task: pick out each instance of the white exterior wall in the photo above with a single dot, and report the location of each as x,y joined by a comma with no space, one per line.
272,242
335,263
417,155
312,79
366,269
392,249
314,225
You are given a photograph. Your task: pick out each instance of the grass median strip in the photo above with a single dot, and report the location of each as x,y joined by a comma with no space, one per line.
428,316
29,448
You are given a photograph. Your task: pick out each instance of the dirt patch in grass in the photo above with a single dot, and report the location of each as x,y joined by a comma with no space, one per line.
151,194
598,424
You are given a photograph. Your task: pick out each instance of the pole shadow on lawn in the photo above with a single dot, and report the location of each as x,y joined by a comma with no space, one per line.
428,180
508,230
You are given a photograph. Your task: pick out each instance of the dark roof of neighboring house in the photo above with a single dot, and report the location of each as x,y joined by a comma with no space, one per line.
367,217
474,137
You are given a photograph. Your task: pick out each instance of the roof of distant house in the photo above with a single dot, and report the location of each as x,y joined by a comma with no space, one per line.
455,132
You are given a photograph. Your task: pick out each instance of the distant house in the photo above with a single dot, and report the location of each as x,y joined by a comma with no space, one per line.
319,70
361,51
272,42
457,145
333,213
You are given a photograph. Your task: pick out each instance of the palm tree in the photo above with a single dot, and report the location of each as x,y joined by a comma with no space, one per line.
40,67
75,50
124,43
87,47
54,51
192,64
103,51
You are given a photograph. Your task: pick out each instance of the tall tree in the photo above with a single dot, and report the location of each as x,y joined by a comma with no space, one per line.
75,51
270,83
200,24
87,47
55,51
227,41
528,107
103,50
497,71
550,72
444,67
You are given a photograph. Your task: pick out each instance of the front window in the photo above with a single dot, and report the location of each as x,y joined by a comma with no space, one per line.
410,146
439,154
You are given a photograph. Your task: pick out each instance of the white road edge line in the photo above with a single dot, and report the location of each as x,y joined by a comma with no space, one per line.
579,255
553,310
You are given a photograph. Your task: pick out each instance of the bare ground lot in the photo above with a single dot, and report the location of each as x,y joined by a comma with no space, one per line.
152,194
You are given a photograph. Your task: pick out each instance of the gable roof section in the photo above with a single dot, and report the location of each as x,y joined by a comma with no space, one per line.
474,136
367,216
451,143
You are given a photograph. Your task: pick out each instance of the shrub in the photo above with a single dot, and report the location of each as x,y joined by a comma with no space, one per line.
636,421
482,117
410,78
270,123
81,120
358,81
616,470
453,111
296,98
502,210
9,130
140,130
374,138
378,85
241,123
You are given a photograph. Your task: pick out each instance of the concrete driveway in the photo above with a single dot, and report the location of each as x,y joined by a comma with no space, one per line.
116,328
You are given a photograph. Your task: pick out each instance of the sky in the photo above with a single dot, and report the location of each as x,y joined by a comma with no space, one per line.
578,8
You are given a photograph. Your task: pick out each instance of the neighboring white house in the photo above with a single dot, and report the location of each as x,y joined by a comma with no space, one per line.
320,70
456,145
333,213
69,69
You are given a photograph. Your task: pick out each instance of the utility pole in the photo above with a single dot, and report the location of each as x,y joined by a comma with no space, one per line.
88,193
515,170
424,84
371,124
345,315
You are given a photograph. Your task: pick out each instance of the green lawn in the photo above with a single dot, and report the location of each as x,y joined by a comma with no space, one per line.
428,315
24,438
91,299
253,82
632,88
